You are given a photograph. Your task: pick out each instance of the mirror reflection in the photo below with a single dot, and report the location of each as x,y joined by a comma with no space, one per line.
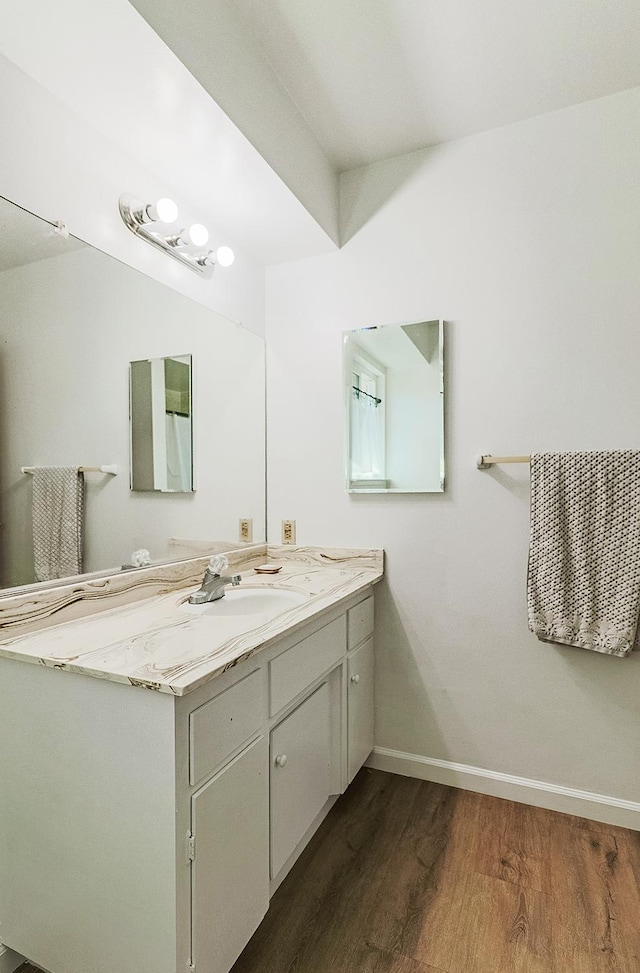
71,321
394,408
161,424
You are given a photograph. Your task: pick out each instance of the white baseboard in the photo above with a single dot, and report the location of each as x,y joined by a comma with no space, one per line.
597,807
9,961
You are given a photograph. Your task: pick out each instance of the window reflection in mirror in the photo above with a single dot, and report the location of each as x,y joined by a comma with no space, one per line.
394,408
161,424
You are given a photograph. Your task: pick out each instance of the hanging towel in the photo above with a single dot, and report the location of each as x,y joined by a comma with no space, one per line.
583,584
58,493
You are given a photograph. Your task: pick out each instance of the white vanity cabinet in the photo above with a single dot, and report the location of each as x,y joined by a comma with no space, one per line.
229,845
360,685
307,738
300,774
228,838
144,832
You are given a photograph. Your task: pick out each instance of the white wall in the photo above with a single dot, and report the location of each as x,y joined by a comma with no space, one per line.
527,240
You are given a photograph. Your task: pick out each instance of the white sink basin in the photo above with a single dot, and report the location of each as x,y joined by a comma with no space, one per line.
267,602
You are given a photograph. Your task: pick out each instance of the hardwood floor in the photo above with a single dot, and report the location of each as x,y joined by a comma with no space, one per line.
410,877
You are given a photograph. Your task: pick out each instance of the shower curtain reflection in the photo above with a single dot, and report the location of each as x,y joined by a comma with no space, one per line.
367,437
178,433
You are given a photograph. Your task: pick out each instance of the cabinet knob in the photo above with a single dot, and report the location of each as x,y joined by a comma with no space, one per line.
281,760
355,679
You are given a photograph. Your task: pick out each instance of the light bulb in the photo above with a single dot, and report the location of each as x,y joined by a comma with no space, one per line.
225,256
165,210
198,234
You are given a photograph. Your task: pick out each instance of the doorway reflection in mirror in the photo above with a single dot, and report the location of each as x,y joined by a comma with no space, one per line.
161,424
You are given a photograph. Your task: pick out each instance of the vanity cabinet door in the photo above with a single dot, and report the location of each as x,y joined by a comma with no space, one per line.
300,773
230,869
360,676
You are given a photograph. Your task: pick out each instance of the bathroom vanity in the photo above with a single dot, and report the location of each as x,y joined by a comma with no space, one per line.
157,793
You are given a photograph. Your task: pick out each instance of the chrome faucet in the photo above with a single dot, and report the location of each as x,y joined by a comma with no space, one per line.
214,583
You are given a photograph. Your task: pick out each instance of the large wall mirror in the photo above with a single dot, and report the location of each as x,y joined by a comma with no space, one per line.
72,319
394,408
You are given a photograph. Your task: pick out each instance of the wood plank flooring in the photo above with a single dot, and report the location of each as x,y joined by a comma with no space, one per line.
406,876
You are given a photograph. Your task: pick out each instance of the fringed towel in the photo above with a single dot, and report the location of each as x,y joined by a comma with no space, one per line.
58,493
583,584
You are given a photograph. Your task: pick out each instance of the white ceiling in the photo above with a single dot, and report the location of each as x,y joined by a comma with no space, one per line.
379,78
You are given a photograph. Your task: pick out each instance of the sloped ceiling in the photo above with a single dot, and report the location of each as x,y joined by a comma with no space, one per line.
212,42
320,88
379,78
253,108
102,61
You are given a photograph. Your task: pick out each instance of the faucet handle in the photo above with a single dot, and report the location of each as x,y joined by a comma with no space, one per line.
218,563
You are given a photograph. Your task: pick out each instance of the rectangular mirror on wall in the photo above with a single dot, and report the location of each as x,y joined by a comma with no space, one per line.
72,319
394,408
161,419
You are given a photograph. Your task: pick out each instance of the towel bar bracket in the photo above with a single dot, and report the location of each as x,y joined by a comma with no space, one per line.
485,461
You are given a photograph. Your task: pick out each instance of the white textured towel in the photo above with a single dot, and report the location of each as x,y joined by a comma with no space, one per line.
58,493
584,557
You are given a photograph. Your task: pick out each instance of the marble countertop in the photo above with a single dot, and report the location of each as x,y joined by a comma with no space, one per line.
154,644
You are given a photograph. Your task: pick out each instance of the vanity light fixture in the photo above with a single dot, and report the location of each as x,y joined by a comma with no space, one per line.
152,222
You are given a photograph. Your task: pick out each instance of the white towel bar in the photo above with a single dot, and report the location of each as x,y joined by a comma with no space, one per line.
111,469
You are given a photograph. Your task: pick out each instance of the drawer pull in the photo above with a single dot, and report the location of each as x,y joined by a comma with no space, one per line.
281,760
355,679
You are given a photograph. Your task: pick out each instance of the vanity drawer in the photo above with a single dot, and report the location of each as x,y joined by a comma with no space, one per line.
219,727
360,622
292,671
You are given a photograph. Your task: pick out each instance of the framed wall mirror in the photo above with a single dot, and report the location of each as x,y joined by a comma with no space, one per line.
394,408
161,417
71,320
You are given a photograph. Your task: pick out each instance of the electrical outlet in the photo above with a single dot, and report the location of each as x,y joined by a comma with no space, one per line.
288,531
246,530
